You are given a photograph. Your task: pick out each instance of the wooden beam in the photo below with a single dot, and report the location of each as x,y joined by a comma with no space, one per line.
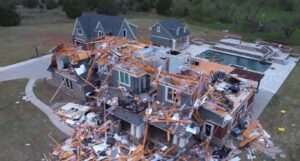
56,142
145,135
57,90
250,128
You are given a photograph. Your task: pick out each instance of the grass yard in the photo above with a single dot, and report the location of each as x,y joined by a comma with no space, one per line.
146,20
49,27
22,123
16,43
288,99
45,91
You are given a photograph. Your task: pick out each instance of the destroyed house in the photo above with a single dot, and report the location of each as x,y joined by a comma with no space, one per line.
131,77
153,103
143,90
67,72
173,89
85,70
228,101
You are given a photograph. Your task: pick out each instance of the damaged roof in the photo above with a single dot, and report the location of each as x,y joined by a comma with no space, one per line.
127,116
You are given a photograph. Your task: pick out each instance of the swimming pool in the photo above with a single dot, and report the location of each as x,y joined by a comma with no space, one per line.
227,59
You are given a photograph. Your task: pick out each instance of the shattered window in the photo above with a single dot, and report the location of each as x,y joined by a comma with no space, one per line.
170,94
71,84
208,129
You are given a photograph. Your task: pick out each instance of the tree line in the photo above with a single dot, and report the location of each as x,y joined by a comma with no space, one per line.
282,16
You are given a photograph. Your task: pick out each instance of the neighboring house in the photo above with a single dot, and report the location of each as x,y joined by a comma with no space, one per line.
170,33
91,26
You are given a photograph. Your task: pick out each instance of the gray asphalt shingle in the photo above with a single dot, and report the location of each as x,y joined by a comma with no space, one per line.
172,25
110,24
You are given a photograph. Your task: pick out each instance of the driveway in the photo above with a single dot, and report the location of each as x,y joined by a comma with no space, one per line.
34,69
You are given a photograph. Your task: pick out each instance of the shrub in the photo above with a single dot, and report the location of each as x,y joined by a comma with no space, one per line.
74,8
109,7
9,17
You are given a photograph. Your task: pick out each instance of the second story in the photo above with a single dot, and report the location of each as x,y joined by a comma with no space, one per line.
91,26
170,33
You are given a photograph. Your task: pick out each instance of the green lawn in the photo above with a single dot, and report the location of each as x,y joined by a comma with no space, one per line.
45,91
146,20
22,124
49,27
287,98
16,43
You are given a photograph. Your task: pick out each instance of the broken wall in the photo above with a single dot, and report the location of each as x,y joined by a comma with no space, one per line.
185,99
77,92
137,85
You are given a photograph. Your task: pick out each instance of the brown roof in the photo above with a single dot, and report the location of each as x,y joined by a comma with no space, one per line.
251,75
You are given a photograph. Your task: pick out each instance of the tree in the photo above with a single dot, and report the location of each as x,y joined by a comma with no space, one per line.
248,17
109,7
60,2
31,3
287,5
163,7
9,17
74,8
195,12
180,8
289,26
51,4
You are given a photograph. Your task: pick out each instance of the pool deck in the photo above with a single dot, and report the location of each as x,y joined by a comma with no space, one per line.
276,74
270,84
274,77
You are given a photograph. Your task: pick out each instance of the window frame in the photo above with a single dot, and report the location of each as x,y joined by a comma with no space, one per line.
105,69
158,28
71,87
68,84
124,75
125,33
172,95
211,129
79,29
102,34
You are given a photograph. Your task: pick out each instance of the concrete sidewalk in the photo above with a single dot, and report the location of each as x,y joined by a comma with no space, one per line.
34,69
56,120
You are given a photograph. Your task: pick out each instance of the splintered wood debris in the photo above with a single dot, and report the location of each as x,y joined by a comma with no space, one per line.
138,107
